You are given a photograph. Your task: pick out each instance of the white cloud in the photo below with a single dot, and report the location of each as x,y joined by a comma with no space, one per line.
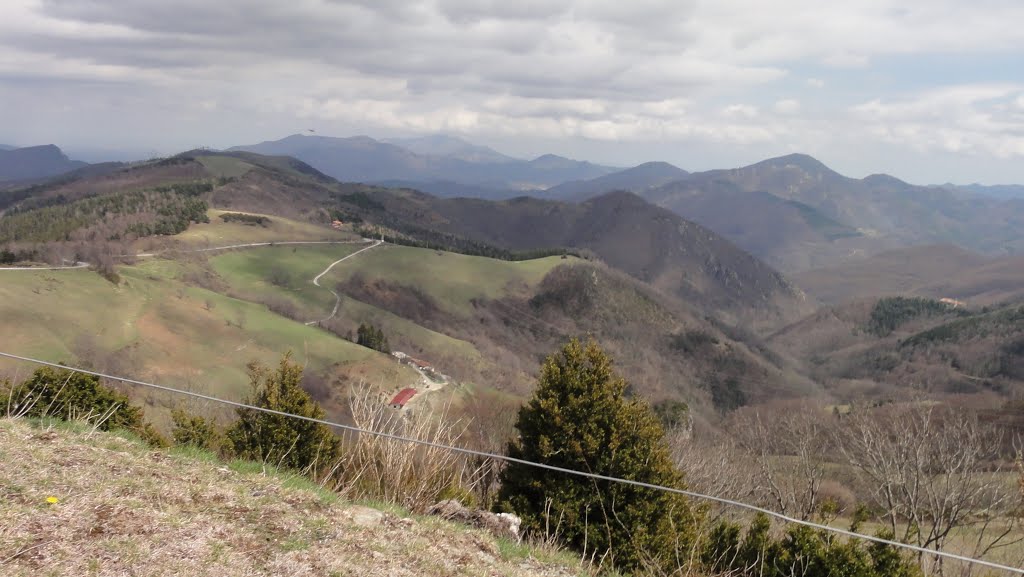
662,71
787,107
740,111
970,119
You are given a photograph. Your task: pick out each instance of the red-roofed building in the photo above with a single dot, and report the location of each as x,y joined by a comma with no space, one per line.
402,398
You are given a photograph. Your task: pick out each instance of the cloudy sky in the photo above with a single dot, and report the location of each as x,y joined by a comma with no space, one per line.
927,90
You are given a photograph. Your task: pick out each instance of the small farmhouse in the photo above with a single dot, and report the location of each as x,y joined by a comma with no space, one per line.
402,398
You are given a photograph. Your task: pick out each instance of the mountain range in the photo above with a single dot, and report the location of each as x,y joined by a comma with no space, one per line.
675,299
995,191
441,159
666,294
17,164
793,212
797,214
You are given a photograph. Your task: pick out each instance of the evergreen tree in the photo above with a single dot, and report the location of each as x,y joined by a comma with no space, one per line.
277,439
581,419
372,337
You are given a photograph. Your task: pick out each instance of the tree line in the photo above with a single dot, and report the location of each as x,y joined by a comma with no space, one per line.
163,210
447,242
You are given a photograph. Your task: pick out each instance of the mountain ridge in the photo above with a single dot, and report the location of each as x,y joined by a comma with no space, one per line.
35,162
363,159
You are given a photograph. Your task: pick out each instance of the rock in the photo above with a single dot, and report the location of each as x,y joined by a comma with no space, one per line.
364,516
513,522
503,525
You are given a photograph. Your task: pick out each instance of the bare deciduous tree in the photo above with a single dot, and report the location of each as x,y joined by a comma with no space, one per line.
714,466
787,445
934,472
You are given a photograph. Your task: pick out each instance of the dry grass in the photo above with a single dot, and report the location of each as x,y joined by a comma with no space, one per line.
400,473
124,509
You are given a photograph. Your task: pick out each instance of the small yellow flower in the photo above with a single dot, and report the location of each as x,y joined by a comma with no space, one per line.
52,500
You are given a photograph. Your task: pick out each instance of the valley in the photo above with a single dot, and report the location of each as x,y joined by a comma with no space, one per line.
187,270
484,288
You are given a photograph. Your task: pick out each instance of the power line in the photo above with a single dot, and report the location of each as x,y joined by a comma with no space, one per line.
545,466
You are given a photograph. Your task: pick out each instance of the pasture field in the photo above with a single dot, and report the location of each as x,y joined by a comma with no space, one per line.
217,232
152,326
453,280
225,166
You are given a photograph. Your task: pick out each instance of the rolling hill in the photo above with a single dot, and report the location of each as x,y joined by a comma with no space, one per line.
990,283
650,243
895,272
487,322
34,162
942,271
665,297
881,348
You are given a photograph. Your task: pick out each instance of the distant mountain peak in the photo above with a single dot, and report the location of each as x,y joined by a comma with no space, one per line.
550,158
804,162
884,179
658,164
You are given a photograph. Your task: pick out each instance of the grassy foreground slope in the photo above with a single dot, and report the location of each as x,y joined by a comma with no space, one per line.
122,508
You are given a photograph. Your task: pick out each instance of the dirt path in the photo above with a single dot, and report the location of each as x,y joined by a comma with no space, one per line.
74,266
248,245
208,249
337,298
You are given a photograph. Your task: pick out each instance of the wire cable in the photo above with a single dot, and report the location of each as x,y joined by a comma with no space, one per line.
507,459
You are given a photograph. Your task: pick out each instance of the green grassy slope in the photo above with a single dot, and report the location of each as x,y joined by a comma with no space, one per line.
155,326
452,280
217,232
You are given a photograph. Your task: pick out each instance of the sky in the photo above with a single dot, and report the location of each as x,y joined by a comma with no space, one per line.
927,90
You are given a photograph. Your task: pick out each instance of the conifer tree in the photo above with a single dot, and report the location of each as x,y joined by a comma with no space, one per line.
277,439
580,418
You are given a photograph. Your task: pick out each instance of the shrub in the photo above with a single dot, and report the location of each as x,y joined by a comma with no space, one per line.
195,431
276,439
246,219
800,551
581,419
672,413
71,395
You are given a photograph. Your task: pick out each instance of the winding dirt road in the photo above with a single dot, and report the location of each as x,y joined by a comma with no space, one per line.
337,298
81,264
